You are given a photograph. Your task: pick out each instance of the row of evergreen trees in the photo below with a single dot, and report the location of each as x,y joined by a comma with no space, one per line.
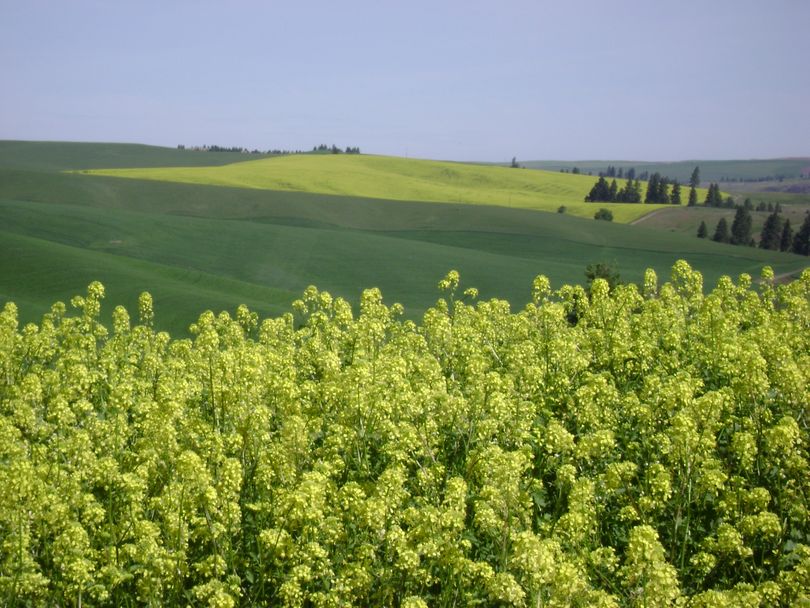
602,192
714,198
658,191
613,172
777,233
333,149
322,149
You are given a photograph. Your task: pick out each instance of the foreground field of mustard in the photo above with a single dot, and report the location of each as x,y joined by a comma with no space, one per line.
640,446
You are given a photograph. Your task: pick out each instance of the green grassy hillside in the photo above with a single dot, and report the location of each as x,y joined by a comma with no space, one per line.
398,179
34,271
59,155
201,246
267,264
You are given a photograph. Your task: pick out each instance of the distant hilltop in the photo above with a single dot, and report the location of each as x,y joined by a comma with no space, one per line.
320,149
748,170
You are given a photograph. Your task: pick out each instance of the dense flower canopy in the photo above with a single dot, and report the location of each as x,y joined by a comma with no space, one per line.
624,447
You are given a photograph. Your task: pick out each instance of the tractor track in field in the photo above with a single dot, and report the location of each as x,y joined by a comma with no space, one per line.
647,216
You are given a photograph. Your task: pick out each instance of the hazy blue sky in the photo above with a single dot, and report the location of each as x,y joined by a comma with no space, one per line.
465,80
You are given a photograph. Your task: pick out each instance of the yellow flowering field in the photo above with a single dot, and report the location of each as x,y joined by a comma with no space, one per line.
636,446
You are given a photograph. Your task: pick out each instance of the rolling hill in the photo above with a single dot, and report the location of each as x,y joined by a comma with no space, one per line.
197,246
394,178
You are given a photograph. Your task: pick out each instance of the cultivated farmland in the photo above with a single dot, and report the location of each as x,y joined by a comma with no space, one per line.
398,179
197,246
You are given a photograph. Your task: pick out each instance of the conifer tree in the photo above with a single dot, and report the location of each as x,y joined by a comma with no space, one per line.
693,199
599,192
801,242
713,196
771,235
741,227
709,201
787,237
703,231
613,191
652,188
631,193
661,194
636,191
675,196
602,270
721,231
694,180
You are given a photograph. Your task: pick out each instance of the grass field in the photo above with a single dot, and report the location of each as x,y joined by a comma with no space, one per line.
61,155
266,265
201,246
398,179
35,272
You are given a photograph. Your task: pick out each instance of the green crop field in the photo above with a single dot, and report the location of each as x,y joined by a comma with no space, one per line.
197,246
398,179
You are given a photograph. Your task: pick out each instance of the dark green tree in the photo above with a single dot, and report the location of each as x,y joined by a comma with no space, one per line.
562,209
613,191
771,235
748,204
703,231
599,192
603,214
787,237
721,231
694,181
630,193
602,270
653,187
634,191
693,199
713,196
741,227
675,195
662,194
801,242
709,200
